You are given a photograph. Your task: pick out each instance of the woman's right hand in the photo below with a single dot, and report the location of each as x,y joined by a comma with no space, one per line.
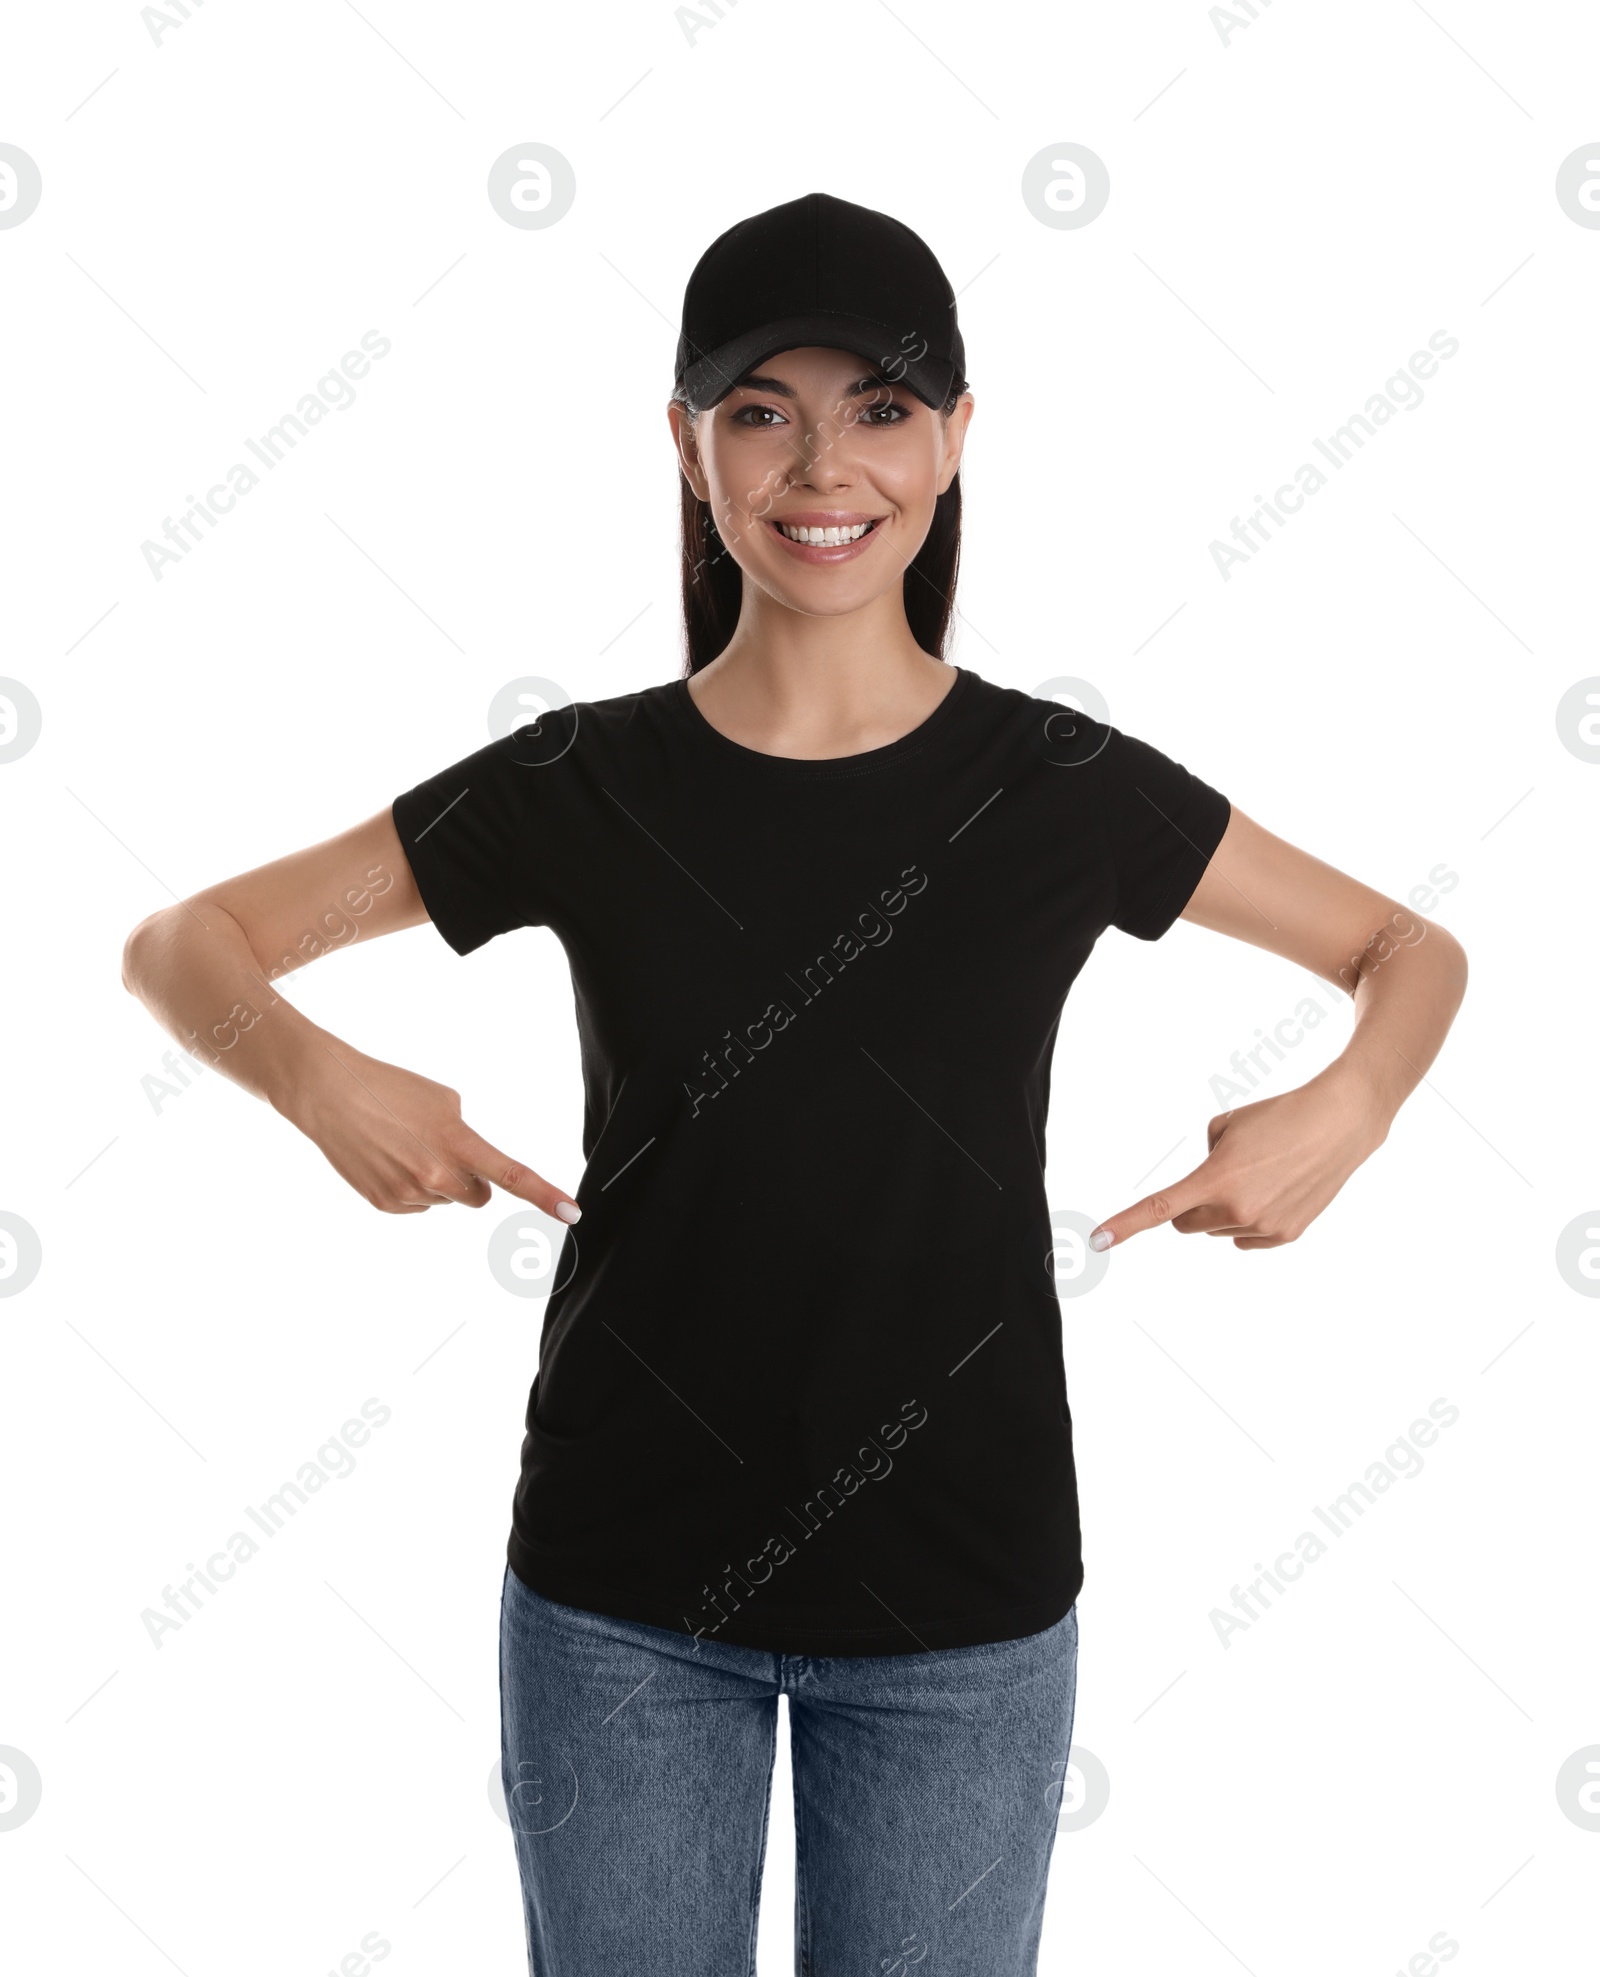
399,1139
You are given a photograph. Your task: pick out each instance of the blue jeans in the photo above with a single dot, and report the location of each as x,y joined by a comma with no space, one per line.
638,1773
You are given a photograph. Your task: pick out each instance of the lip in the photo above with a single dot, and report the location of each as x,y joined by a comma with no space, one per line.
826,552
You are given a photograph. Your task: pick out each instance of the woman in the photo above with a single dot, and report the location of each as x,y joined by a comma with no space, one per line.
800,1422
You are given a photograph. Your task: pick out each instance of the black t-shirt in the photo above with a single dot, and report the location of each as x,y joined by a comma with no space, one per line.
801,1385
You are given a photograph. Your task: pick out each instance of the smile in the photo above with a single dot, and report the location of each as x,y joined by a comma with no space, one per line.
824,535
826,539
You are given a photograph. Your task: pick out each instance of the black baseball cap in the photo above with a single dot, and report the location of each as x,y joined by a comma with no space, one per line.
819,270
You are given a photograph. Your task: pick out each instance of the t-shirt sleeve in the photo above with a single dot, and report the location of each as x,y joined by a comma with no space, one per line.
477,836
1161,823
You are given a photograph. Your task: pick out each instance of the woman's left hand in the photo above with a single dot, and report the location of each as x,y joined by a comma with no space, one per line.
1273,1166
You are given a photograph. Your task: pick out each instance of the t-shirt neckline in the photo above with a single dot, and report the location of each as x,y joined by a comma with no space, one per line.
861,763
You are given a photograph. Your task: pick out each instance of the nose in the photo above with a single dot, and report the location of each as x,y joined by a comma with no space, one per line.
824,458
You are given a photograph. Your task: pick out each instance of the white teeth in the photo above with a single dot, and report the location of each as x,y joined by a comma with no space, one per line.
825,536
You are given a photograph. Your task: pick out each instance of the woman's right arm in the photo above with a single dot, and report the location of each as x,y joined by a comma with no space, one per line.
205,968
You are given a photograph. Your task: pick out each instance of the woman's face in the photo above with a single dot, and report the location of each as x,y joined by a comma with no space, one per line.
815,440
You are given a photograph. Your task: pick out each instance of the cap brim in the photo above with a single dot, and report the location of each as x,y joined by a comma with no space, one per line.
715,372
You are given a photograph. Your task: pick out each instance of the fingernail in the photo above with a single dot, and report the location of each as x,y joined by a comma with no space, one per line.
569,1211
1101,1239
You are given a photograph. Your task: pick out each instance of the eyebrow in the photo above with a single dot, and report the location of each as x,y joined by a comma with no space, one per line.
781,390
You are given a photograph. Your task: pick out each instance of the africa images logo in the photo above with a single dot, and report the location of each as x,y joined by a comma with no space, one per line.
1401,392
1402,1459
871,930
872,1463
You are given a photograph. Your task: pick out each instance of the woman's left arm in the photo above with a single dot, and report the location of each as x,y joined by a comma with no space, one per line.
1275,1164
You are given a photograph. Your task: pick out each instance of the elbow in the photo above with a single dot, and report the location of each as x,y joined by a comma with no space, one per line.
1458,957
1452,947
136,952
130,961
1453,965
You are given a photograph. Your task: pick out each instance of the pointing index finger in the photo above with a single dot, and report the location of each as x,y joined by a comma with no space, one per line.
504,1172
1147,1214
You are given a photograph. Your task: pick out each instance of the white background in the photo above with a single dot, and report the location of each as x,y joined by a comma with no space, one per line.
1294,210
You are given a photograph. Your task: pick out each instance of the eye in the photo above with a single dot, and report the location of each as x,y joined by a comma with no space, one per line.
889,414
752,416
